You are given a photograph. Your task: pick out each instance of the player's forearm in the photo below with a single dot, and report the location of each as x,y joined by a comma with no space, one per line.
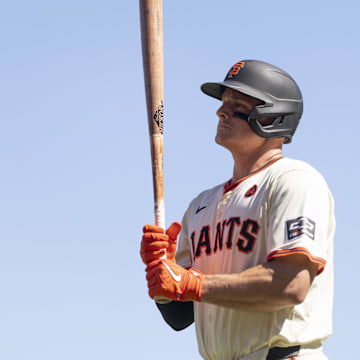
264,288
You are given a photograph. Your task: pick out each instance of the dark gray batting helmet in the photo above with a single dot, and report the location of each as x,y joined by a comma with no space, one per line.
279,92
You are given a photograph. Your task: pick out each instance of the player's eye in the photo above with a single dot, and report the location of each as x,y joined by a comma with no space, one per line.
240,115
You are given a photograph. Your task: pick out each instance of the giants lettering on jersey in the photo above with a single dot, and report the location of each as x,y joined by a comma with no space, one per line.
227,233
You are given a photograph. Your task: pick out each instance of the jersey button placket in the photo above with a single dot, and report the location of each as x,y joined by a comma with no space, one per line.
222,204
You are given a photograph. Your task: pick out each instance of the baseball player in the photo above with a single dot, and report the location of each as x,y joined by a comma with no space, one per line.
254,261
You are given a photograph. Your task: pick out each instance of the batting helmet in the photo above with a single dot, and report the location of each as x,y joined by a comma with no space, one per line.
279,92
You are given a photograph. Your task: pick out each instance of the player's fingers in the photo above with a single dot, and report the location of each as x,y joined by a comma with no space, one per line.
158,291
151,241
173,230
152,265
149,256
151,236
152,292
153,271
153,281
155,253
153,228
155,290
150,275
153,247
147,245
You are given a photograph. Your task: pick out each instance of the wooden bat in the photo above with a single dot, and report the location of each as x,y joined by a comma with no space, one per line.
153,62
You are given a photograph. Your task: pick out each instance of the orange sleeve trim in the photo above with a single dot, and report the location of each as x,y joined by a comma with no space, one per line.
299,250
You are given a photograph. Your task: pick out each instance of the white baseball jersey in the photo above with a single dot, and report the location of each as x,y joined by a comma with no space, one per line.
284,208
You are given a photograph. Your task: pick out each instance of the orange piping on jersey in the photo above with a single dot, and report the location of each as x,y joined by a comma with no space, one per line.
228,186
302,251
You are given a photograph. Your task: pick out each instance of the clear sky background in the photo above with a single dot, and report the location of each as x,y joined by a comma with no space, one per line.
75,164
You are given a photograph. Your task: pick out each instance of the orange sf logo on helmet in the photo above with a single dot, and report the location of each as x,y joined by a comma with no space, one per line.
235,69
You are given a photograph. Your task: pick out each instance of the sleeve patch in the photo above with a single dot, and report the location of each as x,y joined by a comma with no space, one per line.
300,226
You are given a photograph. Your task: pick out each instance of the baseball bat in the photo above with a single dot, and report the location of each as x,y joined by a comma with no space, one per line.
153,63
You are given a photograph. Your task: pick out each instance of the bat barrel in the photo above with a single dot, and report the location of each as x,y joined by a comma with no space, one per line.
153,61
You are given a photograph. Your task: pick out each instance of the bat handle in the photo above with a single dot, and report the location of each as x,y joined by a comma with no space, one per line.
159,211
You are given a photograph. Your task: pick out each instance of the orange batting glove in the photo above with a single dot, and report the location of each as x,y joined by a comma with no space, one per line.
156,242
167,279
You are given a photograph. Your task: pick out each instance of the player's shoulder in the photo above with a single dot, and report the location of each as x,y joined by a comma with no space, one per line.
288,164
296,171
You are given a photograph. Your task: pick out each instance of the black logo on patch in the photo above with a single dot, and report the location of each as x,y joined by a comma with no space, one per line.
300,226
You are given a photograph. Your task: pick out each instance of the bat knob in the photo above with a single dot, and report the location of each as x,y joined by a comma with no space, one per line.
162,300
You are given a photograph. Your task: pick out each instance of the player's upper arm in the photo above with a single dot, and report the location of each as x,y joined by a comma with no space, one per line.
297,272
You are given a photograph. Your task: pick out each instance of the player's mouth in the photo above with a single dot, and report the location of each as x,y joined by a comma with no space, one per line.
223,125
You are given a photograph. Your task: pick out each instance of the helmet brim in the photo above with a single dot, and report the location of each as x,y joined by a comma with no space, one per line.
216,90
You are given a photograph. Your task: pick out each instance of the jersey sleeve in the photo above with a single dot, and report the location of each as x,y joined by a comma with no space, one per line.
301,219
183,252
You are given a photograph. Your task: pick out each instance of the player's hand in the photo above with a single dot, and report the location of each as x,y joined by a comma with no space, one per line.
167,279
156,242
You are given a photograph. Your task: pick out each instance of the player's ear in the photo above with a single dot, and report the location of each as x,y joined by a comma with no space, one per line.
265,121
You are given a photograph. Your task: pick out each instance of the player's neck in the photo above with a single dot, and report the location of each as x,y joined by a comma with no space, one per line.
245,164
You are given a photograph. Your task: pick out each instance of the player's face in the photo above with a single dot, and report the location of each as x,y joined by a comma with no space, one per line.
232,131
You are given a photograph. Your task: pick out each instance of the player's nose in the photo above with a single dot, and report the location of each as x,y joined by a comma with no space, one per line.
223,112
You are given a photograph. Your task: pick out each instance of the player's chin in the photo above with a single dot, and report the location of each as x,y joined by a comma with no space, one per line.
218,139
227,142
222,136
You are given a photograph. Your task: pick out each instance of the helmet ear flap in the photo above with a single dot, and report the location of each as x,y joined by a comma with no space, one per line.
278,121
268,121
280,126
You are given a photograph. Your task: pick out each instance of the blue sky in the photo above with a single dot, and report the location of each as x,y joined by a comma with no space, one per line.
75,165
